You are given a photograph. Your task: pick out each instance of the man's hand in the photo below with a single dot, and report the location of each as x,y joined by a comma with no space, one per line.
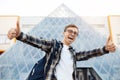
110,45
14,32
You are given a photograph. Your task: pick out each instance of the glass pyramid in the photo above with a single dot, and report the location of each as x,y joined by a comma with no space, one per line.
17,62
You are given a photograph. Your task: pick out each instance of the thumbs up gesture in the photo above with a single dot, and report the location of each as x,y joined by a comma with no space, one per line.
14,32
110,45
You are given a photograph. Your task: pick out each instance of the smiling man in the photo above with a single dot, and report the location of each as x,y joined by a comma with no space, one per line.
60,58
70,34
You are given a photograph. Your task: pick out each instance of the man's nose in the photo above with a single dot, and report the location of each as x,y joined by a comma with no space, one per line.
73,33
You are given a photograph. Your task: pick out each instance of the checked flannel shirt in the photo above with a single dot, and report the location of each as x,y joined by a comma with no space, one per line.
46,68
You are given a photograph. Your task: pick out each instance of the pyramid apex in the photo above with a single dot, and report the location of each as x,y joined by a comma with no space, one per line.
62,11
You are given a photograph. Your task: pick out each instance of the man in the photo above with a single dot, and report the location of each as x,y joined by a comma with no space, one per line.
59,62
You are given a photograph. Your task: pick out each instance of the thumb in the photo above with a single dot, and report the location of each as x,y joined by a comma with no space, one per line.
18,27
109,40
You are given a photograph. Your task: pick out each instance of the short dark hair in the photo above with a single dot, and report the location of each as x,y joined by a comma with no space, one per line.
71,25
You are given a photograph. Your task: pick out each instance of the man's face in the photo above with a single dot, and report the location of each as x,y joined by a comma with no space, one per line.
70,35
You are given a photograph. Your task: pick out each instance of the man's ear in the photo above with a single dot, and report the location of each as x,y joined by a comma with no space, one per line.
63,33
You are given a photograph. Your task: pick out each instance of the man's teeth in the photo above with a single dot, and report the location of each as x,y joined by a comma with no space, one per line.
70,38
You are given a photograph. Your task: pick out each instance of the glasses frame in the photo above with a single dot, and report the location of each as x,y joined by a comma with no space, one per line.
72,32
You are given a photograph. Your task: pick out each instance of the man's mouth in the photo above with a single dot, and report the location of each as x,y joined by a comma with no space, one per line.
70,38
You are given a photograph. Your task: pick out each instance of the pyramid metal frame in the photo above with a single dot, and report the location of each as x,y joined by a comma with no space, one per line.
17,62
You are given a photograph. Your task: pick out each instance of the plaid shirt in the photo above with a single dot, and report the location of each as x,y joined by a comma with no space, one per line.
53,53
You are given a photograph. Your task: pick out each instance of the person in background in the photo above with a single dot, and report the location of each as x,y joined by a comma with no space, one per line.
59,62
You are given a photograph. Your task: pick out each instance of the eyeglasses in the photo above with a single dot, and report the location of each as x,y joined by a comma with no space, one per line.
71,31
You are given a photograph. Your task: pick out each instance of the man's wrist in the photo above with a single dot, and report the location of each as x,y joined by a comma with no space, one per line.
105,50
20,36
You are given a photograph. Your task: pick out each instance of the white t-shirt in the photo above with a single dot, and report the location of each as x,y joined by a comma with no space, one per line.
64,69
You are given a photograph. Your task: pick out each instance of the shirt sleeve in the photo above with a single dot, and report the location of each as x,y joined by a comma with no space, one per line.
85,55
36,42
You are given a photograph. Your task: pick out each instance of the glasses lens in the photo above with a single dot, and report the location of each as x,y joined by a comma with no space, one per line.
71,31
